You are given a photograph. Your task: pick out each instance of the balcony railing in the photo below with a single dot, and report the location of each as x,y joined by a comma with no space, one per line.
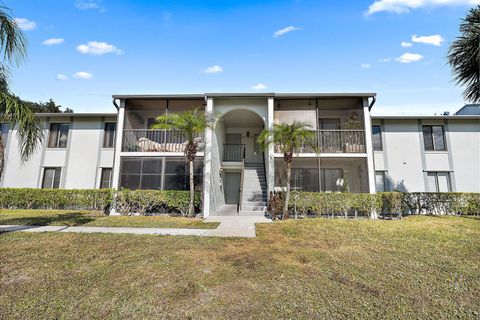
233,152
336,141
156,140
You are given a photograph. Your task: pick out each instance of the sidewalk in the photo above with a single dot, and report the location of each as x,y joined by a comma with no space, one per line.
229,227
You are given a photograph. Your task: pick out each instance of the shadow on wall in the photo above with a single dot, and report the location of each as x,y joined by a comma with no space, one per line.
395,186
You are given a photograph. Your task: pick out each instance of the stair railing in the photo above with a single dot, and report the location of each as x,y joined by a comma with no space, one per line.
239,203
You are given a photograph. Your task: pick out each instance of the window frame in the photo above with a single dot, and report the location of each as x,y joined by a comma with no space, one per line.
437,184
102,178
58,131
380,147
52,186
432,138
107,134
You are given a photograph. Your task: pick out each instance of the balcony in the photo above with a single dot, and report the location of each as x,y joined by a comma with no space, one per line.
336,141
156,140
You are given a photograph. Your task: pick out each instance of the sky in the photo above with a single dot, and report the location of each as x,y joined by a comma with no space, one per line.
81,52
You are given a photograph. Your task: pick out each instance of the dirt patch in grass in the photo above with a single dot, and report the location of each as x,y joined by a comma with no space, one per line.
419,267
97,219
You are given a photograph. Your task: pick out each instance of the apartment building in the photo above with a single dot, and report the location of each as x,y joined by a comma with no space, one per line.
355,152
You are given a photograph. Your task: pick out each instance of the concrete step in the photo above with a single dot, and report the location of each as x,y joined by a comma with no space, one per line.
254,208
252,213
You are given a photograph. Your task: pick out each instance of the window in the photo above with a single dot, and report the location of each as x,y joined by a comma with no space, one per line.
304,179
377,138
380,181
147,173
433,138
438,182
106,178
51,178
109,135
58,135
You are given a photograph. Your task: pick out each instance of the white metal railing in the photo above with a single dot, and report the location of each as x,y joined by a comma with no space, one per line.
156,140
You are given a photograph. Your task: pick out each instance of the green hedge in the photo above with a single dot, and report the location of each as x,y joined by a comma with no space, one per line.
29,198
151,201
384,204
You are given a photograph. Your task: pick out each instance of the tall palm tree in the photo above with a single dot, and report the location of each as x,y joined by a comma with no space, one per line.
289,138
190,124
464,56
13,110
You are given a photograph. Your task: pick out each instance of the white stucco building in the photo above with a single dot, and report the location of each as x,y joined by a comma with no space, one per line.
356,151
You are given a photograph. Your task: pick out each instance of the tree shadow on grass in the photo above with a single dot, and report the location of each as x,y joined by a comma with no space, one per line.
65,219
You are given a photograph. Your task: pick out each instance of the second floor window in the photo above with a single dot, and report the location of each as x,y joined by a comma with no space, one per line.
434,138
377,138
58,137
109,135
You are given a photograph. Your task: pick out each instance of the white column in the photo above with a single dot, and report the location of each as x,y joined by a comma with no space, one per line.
118,150
270,158
369,151
207,167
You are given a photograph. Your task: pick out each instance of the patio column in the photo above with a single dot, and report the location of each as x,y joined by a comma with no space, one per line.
270,169
118,150
207,165
369,151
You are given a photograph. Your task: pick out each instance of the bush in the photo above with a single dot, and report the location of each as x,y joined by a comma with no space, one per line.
386,204
147,202
30,198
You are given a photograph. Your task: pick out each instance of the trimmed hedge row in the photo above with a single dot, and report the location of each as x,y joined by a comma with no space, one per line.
127,202
29,198
384,204
146,202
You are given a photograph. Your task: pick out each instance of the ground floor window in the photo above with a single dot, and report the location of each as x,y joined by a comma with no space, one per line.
106,178
159,173
438,182
51,178
380,181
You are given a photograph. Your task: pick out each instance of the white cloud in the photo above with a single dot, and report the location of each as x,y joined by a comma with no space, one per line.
96,48
62,77
435,39
52,41
409,57
404,6
89,4
281,32
384,60
213,69
406,44
82,75
25,24
365,65
259,86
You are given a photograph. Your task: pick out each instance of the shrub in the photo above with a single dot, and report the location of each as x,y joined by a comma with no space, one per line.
30,198
147,202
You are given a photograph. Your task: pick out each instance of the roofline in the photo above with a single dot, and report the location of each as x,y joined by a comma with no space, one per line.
83,114
413,117
244,95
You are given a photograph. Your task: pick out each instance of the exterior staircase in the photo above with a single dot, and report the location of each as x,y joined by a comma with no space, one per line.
254,191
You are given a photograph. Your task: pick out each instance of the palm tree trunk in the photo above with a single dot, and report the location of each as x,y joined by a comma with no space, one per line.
191,208
287,196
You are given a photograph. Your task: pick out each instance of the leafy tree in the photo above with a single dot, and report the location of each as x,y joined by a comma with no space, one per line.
46,107
464,56
189,124
13,47
289,138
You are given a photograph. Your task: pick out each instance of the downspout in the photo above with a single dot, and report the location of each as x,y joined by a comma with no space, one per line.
374,99
115,103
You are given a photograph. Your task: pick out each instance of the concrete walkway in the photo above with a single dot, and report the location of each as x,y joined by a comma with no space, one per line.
229,227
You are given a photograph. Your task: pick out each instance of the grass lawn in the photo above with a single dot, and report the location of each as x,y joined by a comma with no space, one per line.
419,267
96,219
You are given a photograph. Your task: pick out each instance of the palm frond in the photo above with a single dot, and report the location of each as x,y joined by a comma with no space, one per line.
13,44
288,137
13,110
464,56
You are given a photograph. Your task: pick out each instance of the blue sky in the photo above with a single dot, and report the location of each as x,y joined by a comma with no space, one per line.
100,48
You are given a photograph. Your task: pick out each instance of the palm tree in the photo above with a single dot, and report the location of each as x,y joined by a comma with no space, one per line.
189,124
13,110
289,138
464,56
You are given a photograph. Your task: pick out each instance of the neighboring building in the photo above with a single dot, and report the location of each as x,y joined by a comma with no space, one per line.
357,152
